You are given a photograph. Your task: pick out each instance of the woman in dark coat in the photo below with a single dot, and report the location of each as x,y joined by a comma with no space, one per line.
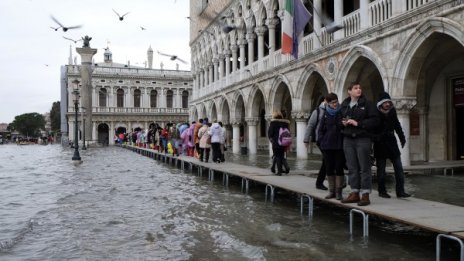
277,122
330,141
386,146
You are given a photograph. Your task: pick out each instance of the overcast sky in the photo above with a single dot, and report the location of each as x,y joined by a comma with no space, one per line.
31,53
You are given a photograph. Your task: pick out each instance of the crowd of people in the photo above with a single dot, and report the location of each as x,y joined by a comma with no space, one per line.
197,139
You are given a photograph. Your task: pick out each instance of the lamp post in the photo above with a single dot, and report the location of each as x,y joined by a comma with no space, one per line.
76,95
83,129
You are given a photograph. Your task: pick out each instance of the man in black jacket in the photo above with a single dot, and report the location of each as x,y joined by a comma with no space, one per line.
386,146
359,120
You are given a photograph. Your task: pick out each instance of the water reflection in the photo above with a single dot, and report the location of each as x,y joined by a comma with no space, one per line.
118,205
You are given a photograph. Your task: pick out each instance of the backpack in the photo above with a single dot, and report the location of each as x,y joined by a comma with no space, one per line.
285,137
313,132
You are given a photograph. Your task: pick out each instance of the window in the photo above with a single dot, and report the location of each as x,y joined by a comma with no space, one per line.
102,97
185,96
169,96
137,94
153,98
120,98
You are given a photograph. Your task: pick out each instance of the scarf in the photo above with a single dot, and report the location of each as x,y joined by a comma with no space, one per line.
331,111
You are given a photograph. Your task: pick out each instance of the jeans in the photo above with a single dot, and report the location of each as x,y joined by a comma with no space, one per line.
357,154
399,174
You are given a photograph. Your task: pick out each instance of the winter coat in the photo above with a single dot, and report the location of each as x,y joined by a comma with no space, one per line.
216,133
313,123
203,136
196,128
273,131
365,113
330,133
385,143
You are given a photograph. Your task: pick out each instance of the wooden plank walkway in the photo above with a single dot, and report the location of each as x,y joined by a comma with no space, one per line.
429,215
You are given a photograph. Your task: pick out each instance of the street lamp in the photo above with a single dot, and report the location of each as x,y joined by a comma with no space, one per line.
76,96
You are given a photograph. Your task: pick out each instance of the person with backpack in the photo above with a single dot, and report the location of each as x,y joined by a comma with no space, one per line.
330,141
311,136
276,129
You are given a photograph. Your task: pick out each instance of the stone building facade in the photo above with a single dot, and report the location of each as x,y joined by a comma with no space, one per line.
124,98
412,49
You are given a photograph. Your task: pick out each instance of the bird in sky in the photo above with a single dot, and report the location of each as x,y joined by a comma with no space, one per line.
121,17
173,57
65,28
55,28
75,41
143,28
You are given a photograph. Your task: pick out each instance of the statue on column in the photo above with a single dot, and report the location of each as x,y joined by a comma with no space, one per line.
86,40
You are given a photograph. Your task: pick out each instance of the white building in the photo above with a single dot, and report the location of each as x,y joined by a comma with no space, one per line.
124,98
413,49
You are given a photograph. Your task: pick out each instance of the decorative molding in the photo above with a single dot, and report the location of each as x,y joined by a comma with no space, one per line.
404,104
300,115
252,121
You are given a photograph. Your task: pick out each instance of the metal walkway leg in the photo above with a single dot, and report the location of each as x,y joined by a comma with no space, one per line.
438,245
271,194
365,222
225,179
310,204
211,175
245,182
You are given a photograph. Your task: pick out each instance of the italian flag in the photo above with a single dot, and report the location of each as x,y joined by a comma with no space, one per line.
296,16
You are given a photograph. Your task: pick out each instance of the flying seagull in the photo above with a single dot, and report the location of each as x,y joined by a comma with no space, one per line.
75,41
55,28
121,17
173,57
143,28
65,28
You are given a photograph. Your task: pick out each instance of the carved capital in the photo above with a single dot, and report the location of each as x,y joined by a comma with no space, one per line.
404,104
300,115
252,121
260,30
272,23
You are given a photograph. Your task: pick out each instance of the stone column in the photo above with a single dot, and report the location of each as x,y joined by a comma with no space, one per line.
215,73
268,118
94,132
111,134
236,137
338,10
398,7
252,137
364,14
260,32
221,66
242,53
227,62
317,22
86,54
234,49
403,107
271,24
301,120
251,50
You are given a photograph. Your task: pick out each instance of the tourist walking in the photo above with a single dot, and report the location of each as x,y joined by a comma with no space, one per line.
223,142
196,139
330,141
386,146
205,141
277,122
311,136
216,138
359,120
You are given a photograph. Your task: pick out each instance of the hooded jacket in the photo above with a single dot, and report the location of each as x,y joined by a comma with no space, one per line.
216,133
273,131
365,113
385,143
314,123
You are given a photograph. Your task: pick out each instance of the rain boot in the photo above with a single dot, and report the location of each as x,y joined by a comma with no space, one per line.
364,200
331,180
339,187
353,197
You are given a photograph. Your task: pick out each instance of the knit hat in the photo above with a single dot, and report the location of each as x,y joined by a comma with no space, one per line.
383,97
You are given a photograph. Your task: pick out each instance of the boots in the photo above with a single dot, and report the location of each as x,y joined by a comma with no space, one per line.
364,200
353,197
331,180
339,180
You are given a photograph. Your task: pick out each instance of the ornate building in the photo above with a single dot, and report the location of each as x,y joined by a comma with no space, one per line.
124,98
412,49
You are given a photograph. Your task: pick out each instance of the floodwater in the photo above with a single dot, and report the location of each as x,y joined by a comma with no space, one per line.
119,205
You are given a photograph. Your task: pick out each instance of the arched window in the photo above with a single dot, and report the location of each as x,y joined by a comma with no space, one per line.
102,97
185,97
153,98
169,95
137,94
120,98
